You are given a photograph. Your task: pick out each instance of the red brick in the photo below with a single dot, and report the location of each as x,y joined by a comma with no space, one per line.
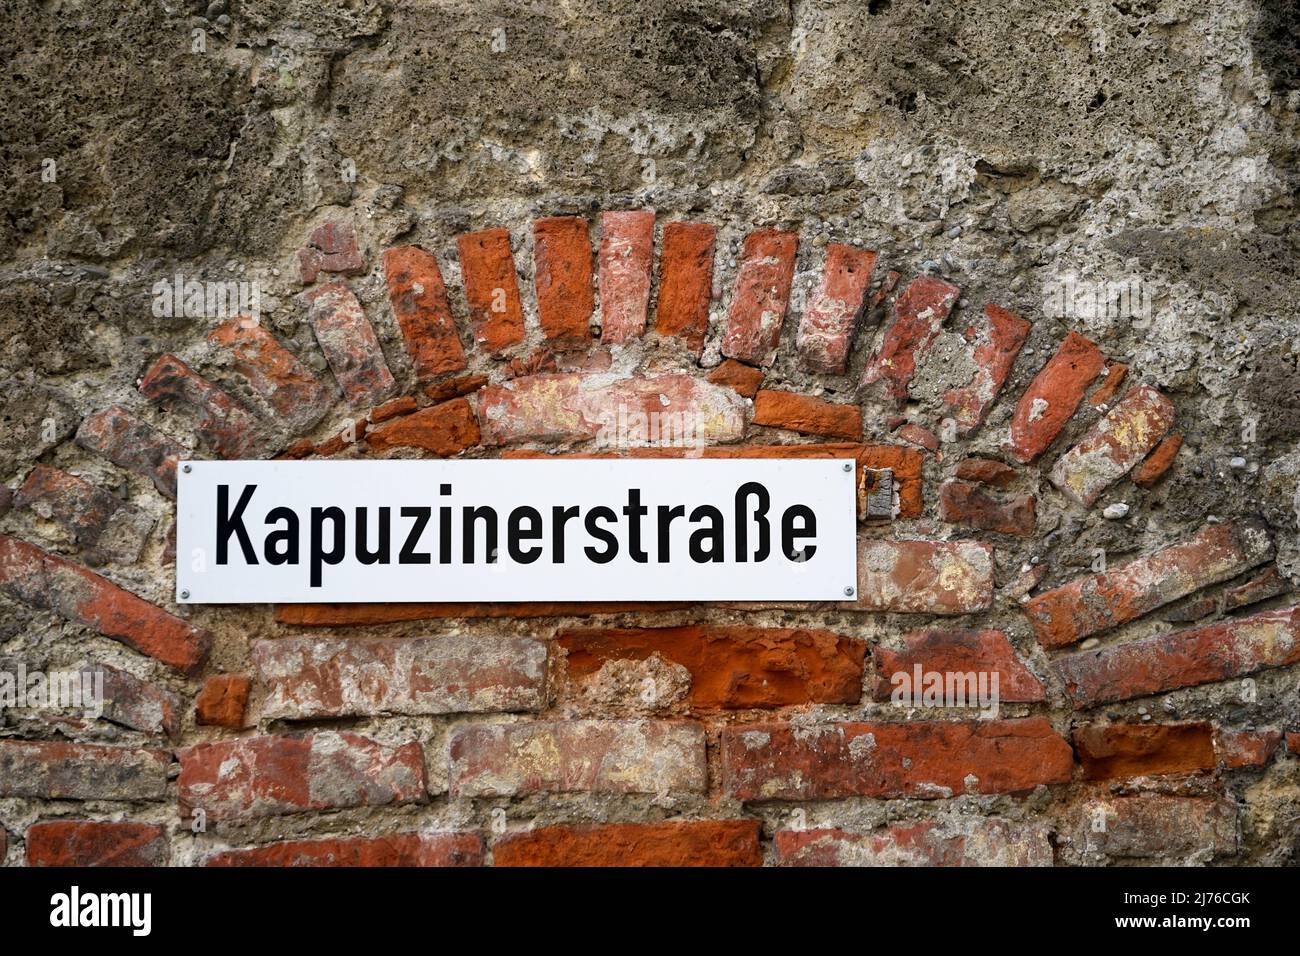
223,702
918,314
1052,397
703,843
1154,826
256,777
226,427
924,577
419,300
825,336
686,282
1268,584
562,276
65,771
445,430
733,667
1185,658
626,251
891,760
745,379
98,521
1105,393
1098,602
288,387
914,434
131,444
964,503
760,296
957,652
987,471
962,842
138,704
349,344
91,843
1120,751
811,416
577,756
1113,445
304,678
1236,749
393,408
399,849
1293,743
42,580
455,387
994,339
496,316
331,248
1158,462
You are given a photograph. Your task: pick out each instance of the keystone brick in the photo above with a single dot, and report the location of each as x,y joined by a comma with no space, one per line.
1098,602
925,760
400,849
1182,658
924,577
42,580
1261,587
1154,825
308,677
811,416
256,777
223,702
138,704
1246,748
491,289
349,344
64,771
745,379
994,339
97,520
957,652
288,387
331,248
987,472
1158,462
419,300
825,336
445,430
1113,445
1052,397
626,251
639,410
760,296
961,502
978,842
686,282
918,314
498,760
706,843
562,275
90,843
225,426
131,444
734,667
1119,751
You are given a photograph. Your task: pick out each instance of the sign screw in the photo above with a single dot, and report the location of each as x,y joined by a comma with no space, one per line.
848,592
185,595
186,469
847,466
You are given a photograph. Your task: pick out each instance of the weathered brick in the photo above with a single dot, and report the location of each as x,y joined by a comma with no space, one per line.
256,777
224,426
223,702
733,667
275,374
138,704
924,577
1185,658
825,336
1293,743
304,677
1052,397
639,410
457,387
964,503
399,849
577,756
703,843
445,430
987,471
811,416
1236,749
562,277
42,580
1267,584
1113,445
994,339
1158,462
65,771
686,282
966,842
957,652
918,314
760,296
745,379
99,522
393,408
419,300
331,248
925,759
1098,602
348,341
496,316
1151,826
919,436
131,444
1119,751
94,843
1105,393
626,251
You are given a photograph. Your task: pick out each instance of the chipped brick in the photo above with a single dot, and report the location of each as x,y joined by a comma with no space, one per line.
444,430
226,427
686,282
626,251
1052,397
760,296
811,416
994,339
825,336
702,843
496,316
349,344
1121,751
918,314
967,842
924,577
562,276
1113,445
957,652
66,771
399,849
418,297
1158,462
961,502
275,374
223,702
94,843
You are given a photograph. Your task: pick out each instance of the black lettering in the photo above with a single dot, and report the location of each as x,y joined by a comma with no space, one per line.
383,552
335,554
713,533
601,513
635,511
515,533
228,524
807,529
760,518
666,516
560,516
288,536
470,514
408,554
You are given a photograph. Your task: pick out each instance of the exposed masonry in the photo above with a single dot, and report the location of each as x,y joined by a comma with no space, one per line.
455,734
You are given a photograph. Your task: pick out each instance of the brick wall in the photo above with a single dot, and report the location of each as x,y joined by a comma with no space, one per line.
1147,689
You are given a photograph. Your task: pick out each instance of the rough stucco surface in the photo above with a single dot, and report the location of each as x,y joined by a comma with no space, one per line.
1008,147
